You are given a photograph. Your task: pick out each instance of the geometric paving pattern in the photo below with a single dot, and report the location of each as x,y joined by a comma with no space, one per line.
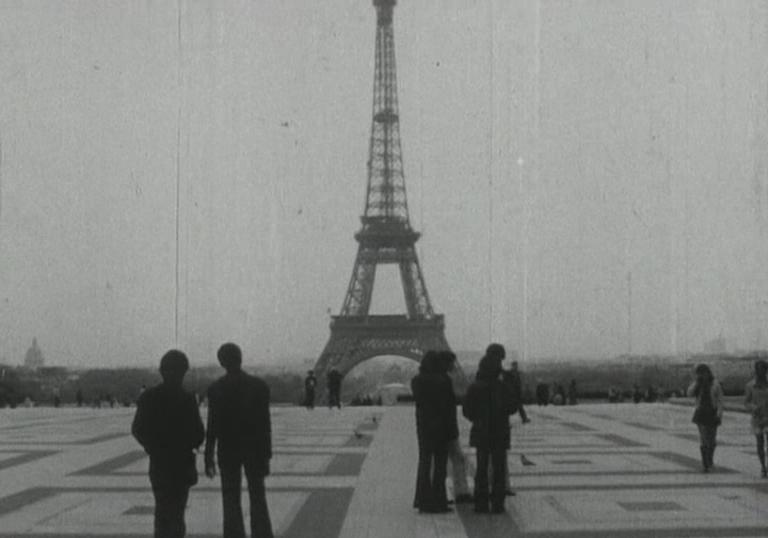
592,470
78,472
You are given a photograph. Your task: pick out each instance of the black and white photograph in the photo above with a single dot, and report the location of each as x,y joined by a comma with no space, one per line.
383,268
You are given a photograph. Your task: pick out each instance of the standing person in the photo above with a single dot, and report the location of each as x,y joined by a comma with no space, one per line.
637,395
79,397
334,388
168,425
542,394
487,406
432,393
310,382
572,393
455,453
239,422
756,402
708,413
513,378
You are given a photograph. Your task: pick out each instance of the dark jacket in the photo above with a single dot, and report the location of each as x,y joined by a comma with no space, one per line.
168,425
487,405
238,419
435,409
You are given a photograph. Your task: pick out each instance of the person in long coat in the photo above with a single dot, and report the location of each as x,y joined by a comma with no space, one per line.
487,406
435,401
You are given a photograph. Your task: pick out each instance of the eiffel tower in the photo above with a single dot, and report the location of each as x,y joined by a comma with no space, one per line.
386,237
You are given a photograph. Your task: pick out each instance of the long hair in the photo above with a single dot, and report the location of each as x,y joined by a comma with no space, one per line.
704,379
429,363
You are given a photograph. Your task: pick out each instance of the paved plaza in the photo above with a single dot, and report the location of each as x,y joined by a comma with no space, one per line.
592,470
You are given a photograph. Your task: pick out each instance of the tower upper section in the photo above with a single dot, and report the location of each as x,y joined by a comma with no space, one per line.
386,201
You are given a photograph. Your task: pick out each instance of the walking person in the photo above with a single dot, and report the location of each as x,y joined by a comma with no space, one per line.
708,412
239,437
487,406
756,402
433,395
167,424
310,382
456,457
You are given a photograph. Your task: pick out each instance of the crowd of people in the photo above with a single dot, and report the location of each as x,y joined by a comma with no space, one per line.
238,440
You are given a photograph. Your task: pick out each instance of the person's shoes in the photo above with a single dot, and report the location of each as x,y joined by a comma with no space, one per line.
499,509
526,420
464,498
481,509
509,492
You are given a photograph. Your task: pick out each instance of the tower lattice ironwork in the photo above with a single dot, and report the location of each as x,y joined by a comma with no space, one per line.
386,237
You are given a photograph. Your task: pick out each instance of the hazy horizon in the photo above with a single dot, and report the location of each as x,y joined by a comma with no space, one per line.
590,178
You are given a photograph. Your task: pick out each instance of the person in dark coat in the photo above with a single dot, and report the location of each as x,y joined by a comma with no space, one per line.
168,425
309,390
487,406
435,402
334,388
240,435
542,394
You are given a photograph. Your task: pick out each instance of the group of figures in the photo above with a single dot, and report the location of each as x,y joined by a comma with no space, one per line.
238,437
333,383
708,411
491,398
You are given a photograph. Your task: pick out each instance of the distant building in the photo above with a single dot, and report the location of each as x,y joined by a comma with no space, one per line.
34,357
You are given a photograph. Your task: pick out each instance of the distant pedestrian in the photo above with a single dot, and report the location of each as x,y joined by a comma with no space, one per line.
79,398
333,380
756,402
573,393
542,394
239,437
487,406
434,398
514,379
708,412
637,394
168,425
455,453
310,382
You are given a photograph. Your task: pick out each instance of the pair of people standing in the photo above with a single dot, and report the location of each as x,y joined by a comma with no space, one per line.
168,425
333,382
437,433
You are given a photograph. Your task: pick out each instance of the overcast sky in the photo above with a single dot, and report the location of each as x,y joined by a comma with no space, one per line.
590,177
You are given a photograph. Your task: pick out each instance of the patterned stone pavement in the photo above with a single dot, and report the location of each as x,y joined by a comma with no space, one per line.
586,471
